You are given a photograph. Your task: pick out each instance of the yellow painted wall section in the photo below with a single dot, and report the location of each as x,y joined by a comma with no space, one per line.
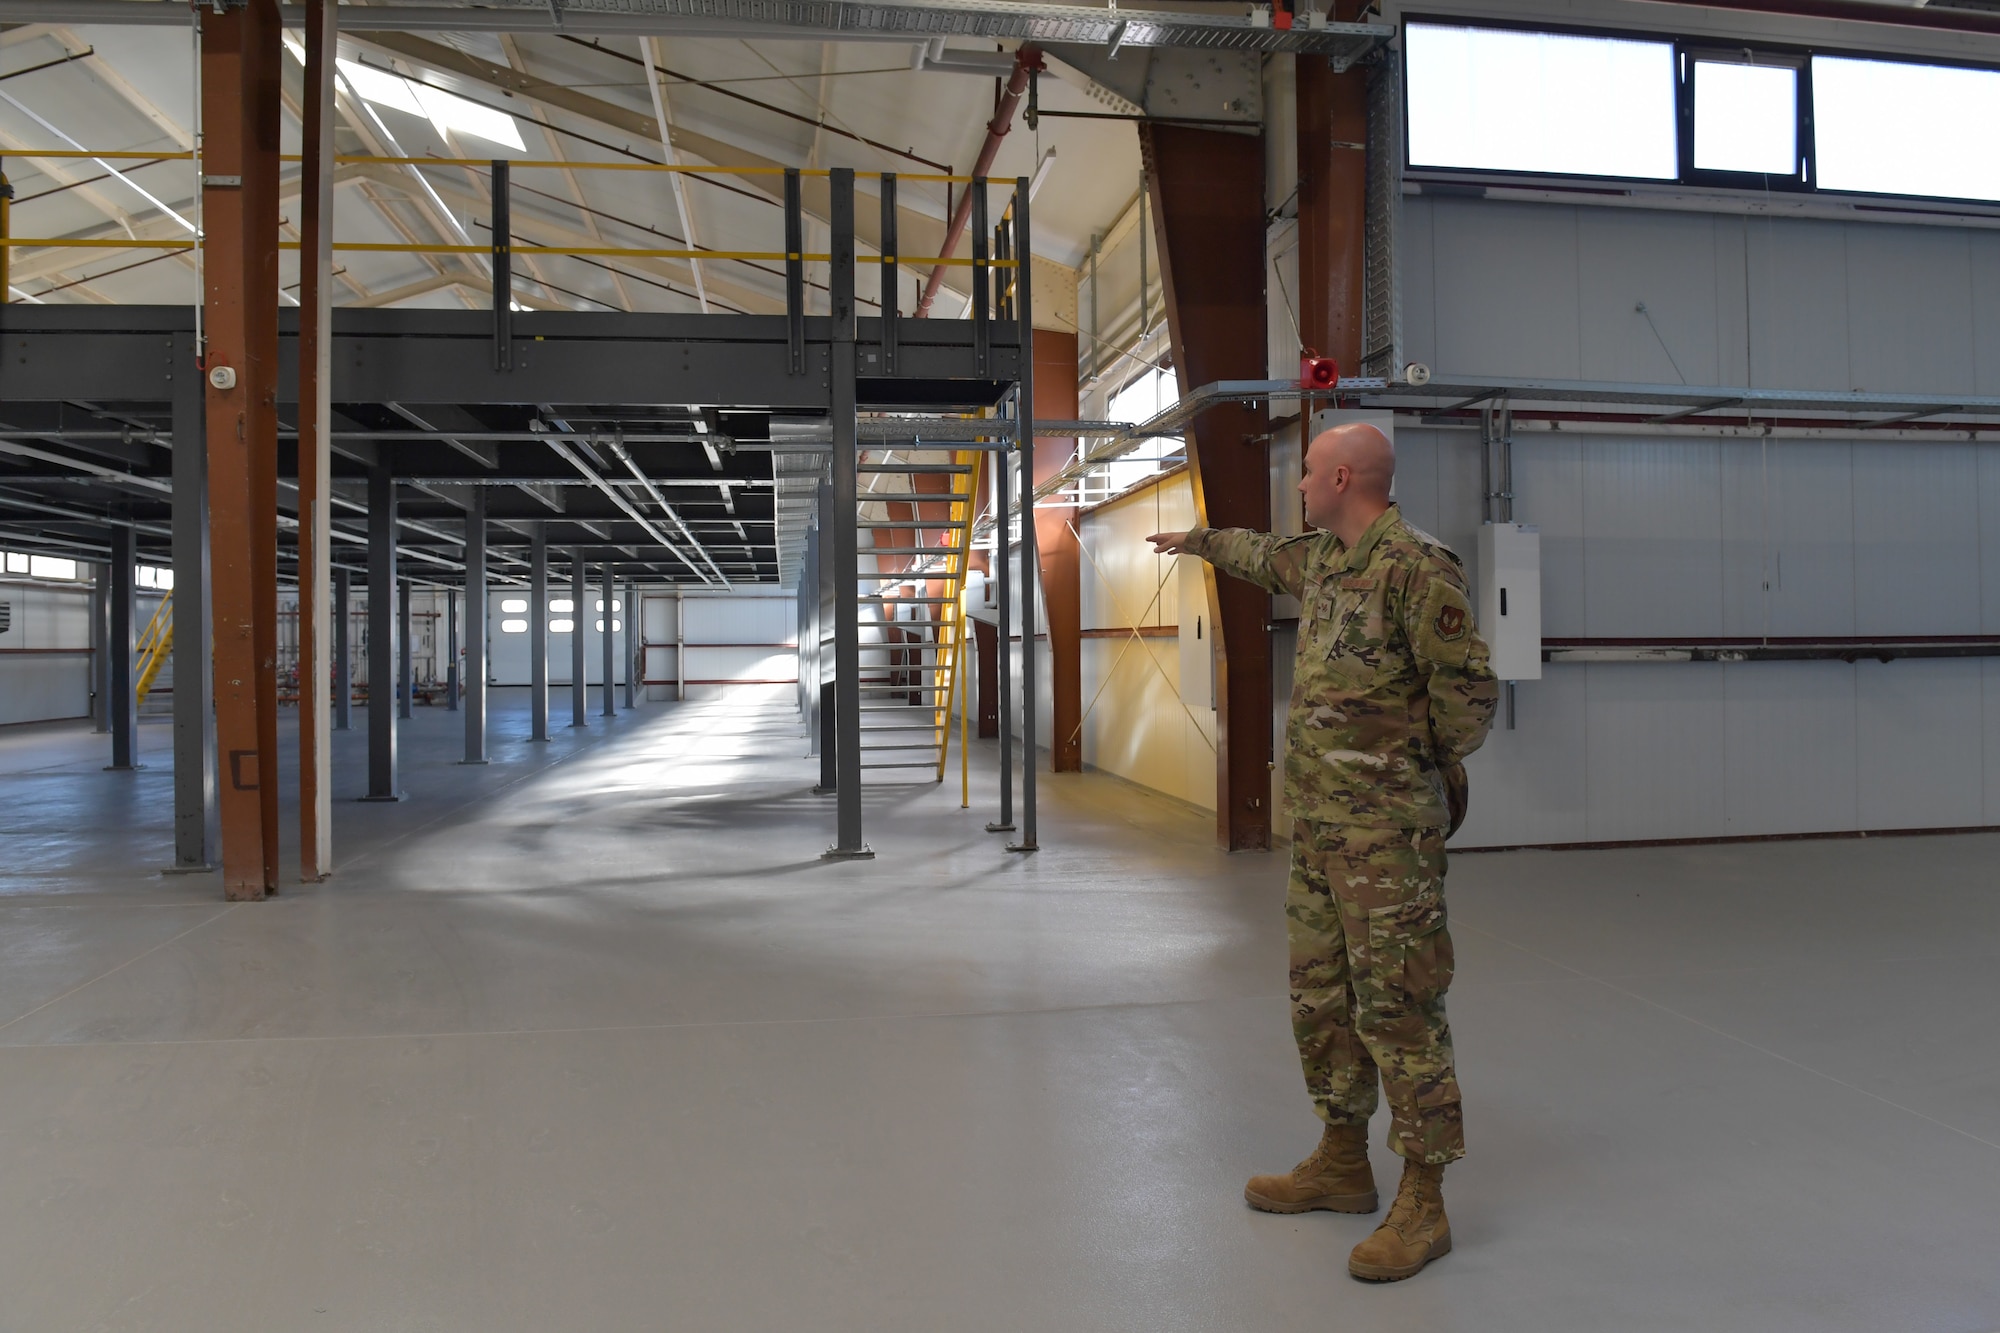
1136,724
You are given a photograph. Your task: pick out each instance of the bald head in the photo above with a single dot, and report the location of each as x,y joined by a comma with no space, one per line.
1348,472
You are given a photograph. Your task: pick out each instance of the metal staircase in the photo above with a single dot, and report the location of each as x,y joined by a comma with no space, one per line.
155,647
915,508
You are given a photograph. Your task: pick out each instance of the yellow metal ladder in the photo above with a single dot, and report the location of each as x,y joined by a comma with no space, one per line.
156,645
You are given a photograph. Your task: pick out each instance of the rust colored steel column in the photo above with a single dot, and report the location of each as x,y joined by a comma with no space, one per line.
1206,188
1062,575
239,164
315,455
1333,199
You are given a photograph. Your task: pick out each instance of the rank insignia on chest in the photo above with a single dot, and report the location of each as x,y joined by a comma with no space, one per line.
1451,623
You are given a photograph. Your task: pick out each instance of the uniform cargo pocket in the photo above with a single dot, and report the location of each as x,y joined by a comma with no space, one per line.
1412,948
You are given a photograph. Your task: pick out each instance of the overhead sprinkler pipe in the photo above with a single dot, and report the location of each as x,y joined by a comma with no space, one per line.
1026,61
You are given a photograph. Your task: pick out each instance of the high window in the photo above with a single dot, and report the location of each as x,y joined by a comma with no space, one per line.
1505,99
1508,100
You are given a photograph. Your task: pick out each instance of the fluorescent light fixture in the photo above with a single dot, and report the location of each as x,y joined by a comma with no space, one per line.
1501,99
1746,117
513,627
1042,171
513,605
1892,127
447,112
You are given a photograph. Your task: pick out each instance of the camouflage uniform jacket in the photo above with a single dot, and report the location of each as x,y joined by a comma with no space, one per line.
1392,679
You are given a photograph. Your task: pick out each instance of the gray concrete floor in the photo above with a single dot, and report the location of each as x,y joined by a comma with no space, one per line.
591,1039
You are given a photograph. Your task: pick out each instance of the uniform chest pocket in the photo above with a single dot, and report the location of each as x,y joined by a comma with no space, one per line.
1347,611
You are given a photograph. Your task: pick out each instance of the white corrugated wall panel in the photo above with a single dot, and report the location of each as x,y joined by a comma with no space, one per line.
1798,304
1910,307
1415,255
1990,732
1989,538
1506,290
1917,538
1531,784
1548,489
1920,748
1655,746
1627,258
1985,261
1788,521
1790,736
1653,523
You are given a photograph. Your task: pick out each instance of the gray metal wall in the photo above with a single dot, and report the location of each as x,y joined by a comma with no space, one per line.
1677,537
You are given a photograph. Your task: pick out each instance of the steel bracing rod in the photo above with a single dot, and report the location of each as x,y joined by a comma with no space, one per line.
575,460
624,456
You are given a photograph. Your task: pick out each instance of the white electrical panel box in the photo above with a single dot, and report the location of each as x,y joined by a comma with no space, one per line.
1510,598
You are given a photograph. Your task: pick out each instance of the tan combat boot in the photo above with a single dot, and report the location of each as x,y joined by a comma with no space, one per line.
1336,1177
1415,1232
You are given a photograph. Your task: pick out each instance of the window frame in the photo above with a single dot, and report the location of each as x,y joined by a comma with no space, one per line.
1804,146
1687,51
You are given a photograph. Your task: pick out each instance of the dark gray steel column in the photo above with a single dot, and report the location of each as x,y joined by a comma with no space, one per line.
634,634
382,773
100,656
343,652
1031,564
610,638
579,594
451,648
845,536
475,628
538,633
118,651
1002,490
405,649
195,815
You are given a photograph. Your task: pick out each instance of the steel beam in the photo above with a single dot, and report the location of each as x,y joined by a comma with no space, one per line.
240,58
579,604
610,645
1333,209
476,601
406,650
100,649
1207,192
1024,415
634,638
538,633
1055,390
846,535
118,652
382,654
1003,638
194,669
315,456
343,651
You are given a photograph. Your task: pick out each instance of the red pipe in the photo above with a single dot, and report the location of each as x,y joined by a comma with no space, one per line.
1026,61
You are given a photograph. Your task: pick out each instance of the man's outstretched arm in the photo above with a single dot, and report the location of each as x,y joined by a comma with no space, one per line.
1274,563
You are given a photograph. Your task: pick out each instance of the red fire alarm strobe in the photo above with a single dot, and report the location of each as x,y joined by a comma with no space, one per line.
1317,372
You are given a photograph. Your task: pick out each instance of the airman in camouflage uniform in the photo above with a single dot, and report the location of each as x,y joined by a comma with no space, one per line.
1391,689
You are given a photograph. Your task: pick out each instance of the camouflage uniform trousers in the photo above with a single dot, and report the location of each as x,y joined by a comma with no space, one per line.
1371,960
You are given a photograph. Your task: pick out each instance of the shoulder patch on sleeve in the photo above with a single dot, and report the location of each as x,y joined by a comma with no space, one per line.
1441,631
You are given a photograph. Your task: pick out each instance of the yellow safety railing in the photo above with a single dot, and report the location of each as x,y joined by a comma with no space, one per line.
551,164
951,635
156,644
